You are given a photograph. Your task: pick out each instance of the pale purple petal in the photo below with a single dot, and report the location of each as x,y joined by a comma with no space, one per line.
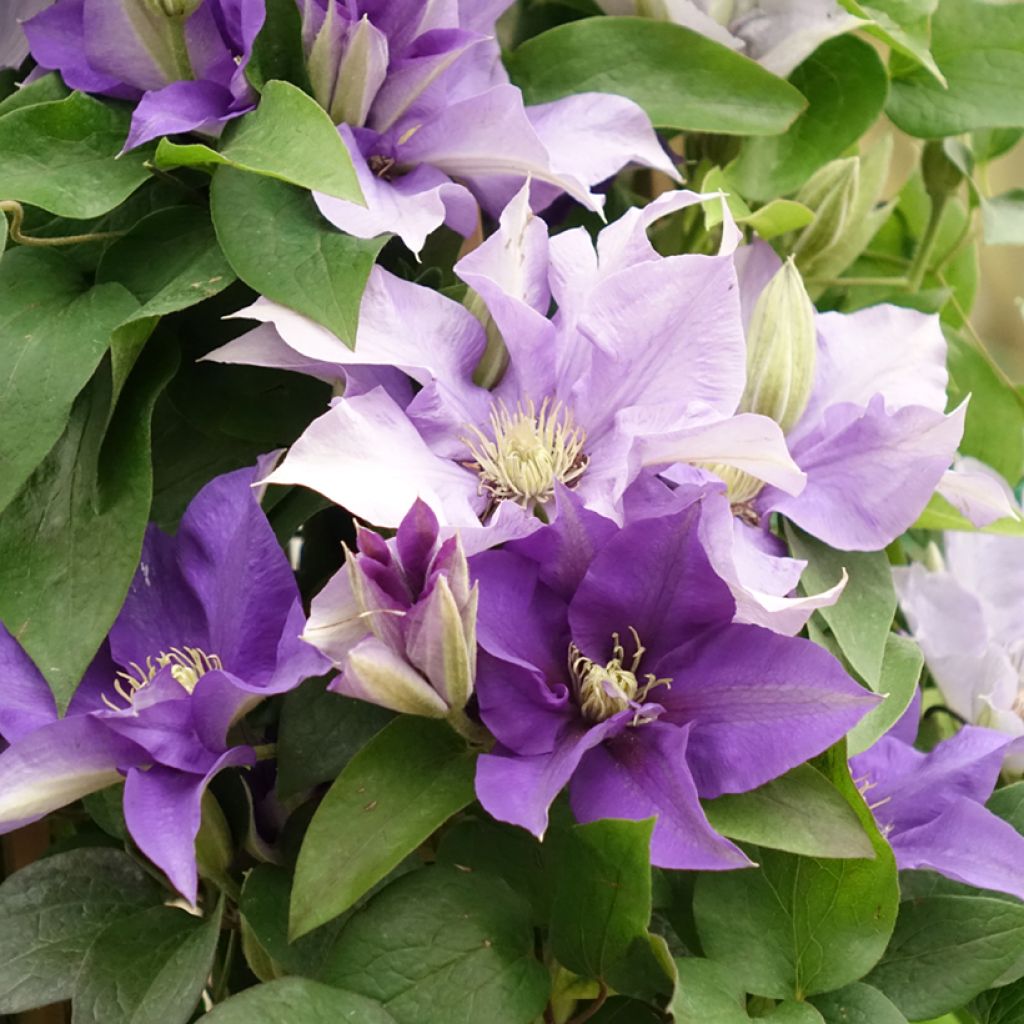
13,43
643,773
760,704
131,42
26,702
264,346
992,568
180,107
870,472
162,809
979,493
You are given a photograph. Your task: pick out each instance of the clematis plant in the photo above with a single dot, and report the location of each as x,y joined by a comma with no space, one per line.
433,126
210,626
13,44
183,61
399,621
609,662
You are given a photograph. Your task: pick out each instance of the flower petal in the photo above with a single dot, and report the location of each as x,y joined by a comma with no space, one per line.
26,701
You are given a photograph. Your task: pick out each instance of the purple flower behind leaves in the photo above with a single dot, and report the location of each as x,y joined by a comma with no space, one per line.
183,60
609,662
210,626
13,44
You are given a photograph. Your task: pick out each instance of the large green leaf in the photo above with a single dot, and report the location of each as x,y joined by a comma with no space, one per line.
53,911
904,24
792,1012
61,156
901,670
440,946
979,47
54,330
861,618
169,260
846,85
707,993
857,1004
800,812
289,136
298,1001
405,783
946,950
683,80
279,245
147,969
797,926
70,540
602,895
1000,1005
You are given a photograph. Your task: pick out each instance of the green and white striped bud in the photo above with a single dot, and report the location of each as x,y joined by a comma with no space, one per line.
781,350
173,8
831,193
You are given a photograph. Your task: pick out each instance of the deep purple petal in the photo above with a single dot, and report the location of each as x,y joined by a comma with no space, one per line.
26,701
416,540
643,773
180,107
760,704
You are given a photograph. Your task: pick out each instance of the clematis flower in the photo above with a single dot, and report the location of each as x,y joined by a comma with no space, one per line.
967,614
399,621
609,662
183,60
421,98
210,626
13,44
978,492
642,365
931,807
778,34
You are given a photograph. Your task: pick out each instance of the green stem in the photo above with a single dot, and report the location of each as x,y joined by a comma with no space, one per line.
926,246
859,282
220,986
16,214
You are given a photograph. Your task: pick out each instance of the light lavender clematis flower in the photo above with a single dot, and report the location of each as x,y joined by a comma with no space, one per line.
183,60
434,127
642,365
967,614
399,621
931,807
210,626
13,44
778,34
978,492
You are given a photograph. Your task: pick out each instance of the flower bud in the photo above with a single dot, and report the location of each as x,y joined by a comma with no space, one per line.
347,65
376,673
831,193
173,8
781,348
940,175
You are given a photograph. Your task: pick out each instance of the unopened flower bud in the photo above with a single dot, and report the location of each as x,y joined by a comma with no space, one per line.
347,65
781,349
376,673
831,193
940,175
173,8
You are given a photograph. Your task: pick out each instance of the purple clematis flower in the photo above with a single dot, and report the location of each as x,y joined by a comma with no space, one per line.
13,44
931,807
609,662
183,60
210,626
967,614
399,621
642,365
421,98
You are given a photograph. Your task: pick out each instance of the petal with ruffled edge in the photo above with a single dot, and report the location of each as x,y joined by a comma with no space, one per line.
760,704
870,472
411,206
520,789
163,810
365,455
59,763
180,107
26,701
643,773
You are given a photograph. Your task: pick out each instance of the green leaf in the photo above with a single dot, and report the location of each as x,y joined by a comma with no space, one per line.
1003,218
857,1004
947,949
795,926
707,993
800,812
147,969
940,515
70,540
277,52
279,245
901,670
904,24
297,1001
440,946
405,783
47,89
602,896
169,260
51,913
778,217
979,47
846,85
683,80
54,330
61,156
994,429
791,1012
1000,1005
289,136
861,618
320,732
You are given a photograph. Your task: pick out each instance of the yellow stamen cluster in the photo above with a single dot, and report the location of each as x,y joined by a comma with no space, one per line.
531,449
605,690
188,666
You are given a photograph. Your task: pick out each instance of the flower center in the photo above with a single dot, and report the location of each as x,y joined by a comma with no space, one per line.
605,690
188,666
529,452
